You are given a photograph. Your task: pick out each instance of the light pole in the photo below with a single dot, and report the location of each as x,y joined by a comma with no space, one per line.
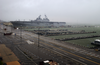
3,27
38,44
11,28
21,33
38,36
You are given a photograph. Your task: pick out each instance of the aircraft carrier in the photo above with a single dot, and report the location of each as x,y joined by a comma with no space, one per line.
39,22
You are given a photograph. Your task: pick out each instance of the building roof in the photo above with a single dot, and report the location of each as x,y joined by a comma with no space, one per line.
13,63
7,54
7,23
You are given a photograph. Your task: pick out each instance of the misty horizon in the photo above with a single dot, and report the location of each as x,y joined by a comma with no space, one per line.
69,11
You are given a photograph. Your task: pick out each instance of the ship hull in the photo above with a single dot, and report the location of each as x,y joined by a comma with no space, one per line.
26,23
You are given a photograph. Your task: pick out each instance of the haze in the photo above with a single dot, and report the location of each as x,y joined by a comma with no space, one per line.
69,11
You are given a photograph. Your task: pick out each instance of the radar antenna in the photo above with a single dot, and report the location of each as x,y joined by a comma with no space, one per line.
39,17
45,16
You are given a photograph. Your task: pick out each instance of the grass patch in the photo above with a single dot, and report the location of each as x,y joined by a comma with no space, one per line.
83,42
70,36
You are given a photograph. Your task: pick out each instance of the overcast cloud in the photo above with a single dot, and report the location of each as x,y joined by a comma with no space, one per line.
69,11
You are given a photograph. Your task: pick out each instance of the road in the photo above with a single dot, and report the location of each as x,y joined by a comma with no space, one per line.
36,53
52,50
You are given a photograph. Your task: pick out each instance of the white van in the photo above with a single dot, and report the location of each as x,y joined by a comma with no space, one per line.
96,42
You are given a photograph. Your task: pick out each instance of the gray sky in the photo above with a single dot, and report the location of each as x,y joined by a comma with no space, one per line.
69,11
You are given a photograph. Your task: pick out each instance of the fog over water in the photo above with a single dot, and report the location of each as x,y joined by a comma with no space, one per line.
69,11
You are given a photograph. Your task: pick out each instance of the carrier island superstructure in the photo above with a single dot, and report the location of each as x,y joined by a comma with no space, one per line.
39,22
